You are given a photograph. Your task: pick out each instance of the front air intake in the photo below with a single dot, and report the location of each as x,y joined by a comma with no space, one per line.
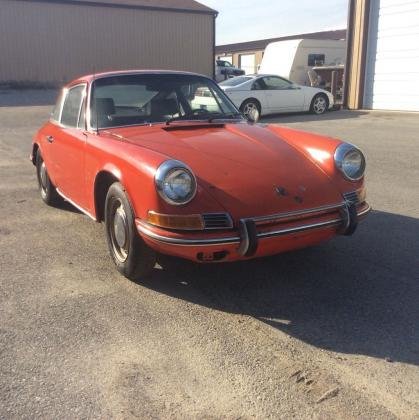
351,197
217,221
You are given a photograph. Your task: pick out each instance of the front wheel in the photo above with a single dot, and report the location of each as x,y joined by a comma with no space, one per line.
251,110
132,257
48,192
319,104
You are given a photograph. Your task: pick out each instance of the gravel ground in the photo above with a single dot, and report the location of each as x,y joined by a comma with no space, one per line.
328,332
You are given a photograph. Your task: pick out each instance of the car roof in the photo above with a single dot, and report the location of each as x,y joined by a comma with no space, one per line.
94,76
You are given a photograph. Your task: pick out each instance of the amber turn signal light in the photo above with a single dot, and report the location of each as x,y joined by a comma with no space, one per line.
169,221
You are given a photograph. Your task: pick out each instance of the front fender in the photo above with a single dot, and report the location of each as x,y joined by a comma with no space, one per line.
135,167
320,150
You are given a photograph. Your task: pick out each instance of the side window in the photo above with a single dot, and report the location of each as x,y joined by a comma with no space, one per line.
57,108
276,83
72,105
316,59
259,85
204,100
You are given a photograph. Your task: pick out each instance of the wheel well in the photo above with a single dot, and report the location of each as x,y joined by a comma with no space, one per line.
35,148
254,100
103,181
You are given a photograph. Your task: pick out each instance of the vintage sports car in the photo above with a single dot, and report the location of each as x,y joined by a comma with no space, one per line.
169,164
264,94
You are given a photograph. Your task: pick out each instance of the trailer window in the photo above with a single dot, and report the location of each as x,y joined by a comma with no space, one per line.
316,59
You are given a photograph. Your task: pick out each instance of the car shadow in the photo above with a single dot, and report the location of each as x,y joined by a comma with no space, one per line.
66,206
356,295
306,117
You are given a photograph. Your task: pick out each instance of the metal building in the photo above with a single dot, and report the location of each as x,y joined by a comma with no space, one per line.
54,41
383,55
248,55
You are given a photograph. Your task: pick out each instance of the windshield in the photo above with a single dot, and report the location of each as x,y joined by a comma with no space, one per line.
235,81
150,98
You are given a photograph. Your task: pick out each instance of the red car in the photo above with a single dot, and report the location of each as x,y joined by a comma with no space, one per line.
170,165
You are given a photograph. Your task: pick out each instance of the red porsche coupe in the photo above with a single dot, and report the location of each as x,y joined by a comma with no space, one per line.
169,164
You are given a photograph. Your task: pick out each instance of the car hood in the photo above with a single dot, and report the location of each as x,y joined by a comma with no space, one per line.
248,169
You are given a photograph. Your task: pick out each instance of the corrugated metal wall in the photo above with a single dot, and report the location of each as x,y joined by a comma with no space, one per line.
54,43
392,67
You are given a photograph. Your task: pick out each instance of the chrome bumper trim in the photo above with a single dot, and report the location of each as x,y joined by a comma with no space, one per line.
298,213
143,228
365,212
297,229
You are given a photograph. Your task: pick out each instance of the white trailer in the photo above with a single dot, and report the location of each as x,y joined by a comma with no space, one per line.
294,58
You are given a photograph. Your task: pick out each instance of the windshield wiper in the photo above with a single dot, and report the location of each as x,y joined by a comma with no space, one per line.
227,116
209,118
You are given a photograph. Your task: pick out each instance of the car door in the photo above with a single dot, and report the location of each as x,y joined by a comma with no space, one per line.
66,146
282,95
258,91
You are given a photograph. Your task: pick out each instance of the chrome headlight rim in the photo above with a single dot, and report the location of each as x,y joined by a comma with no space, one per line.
341,152
164,170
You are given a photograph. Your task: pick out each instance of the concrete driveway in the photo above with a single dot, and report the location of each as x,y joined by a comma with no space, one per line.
327,332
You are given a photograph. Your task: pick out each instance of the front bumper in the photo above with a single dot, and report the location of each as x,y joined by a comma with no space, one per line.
259,236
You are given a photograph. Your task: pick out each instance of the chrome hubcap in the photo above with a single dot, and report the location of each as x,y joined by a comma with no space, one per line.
251,110
319,105
119,231
43,176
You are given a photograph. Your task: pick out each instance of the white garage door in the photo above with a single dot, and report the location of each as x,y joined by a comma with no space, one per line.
392,71
247,63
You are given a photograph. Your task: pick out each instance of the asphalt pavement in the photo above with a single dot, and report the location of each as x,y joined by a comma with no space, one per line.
326,332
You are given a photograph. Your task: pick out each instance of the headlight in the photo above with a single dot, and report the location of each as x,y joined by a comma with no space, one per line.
175,182
350,161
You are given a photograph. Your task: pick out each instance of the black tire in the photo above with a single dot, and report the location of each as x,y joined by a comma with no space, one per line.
251,105
132,257
319,104
48,192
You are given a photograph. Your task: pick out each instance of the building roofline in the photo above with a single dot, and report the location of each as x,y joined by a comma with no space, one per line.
262,43
131,4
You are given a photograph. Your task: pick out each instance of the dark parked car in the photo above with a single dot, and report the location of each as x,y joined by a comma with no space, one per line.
224,70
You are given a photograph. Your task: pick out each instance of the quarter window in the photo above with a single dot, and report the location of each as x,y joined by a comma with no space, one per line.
57,109
72,105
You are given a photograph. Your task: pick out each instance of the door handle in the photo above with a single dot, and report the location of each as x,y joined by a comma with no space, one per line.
50,139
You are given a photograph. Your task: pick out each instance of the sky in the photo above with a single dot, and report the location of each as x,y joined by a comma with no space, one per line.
249,20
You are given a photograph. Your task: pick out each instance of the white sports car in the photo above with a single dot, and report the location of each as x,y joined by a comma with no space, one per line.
263,94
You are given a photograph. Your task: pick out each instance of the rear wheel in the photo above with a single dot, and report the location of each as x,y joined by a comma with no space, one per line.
251,109
132,257
319,104
48,192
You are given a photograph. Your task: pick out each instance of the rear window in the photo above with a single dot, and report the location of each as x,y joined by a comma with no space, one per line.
235,81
